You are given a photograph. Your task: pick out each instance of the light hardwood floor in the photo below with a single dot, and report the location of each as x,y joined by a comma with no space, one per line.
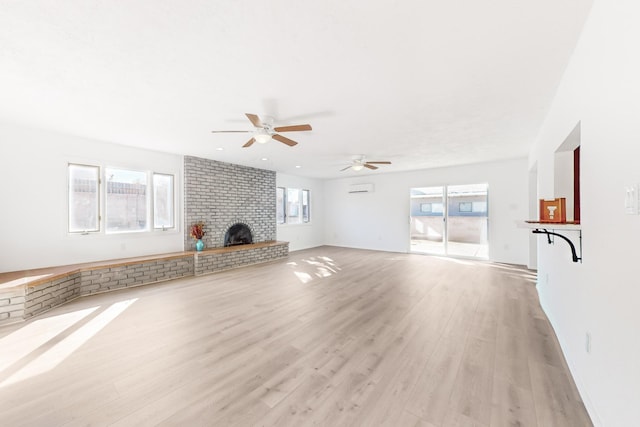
329,336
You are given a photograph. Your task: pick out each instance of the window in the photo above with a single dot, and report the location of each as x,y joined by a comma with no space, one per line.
293,206
126,201
437,208
431,208
163,201
465,207
84,198
130,204
305,206
479,207
280,205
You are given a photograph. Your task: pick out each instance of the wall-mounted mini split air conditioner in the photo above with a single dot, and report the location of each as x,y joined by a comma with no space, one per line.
360,188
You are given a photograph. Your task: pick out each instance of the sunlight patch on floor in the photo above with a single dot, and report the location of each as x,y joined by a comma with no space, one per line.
455,260
321,267
27,339
60,351
304,277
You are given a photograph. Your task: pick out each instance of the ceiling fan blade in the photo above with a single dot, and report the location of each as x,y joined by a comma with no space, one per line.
255,120
249,143
367,165
379,163
284,140
231,131
293,128
348,167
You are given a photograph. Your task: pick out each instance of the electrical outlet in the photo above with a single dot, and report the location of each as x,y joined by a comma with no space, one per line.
587,342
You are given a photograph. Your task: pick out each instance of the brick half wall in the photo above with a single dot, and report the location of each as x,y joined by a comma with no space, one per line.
218,261
28,300
51,294
126,276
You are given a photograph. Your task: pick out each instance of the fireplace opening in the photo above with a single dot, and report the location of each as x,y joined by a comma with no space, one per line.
238,234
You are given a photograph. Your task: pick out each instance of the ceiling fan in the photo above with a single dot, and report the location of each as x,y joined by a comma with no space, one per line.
359,162
265,131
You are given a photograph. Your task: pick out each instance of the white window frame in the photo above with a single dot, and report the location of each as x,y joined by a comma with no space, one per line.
301,219
98,211
102,201
155,226
306,216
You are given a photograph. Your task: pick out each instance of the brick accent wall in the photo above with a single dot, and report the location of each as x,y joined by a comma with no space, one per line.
213,262
221,194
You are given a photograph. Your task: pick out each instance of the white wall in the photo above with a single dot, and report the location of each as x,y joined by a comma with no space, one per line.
380,220
601,89
33,197
310,235
563,180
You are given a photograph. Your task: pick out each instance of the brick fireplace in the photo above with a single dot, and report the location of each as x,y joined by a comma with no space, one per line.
222,194
238,234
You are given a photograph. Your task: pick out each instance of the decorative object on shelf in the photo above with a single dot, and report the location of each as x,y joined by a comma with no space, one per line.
197,232
553,210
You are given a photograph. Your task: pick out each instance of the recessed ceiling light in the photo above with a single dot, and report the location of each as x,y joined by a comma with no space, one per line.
298,166
264,158
220,149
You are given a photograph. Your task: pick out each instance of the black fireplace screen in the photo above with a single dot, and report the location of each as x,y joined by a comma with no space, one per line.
238,234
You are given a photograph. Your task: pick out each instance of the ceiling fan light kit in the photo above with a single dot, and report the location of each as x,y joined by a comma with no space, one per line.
262,138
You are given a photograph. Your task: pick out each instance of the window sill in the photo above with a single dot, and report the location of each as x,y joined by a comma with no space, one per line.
122,234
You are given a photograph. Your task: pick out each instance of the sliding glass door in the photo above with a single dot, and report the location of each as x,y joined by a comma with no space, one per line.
450,220
467,221
428,220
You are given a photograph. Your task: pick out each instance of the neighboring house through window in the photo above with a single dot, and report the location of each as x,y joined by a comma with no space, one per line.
134,201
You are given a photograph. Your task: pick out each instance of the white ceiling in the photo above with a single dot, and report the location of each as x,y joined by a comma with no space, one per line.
421,83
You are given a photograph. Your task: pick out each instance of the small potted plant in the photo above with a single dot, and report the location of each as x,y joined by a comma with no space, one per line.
197,232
